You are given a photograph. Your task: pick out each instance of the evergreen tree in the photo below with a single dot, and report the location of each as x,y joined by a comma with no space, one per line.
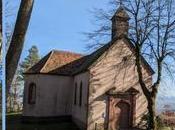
31,59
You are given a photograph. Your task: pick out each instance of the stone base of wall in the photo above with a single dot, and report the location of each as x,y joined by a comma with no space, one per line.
56,119
81,125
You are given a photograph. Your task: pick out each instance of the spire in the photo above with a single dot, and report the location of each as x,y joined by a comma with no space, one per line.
120,22
121,3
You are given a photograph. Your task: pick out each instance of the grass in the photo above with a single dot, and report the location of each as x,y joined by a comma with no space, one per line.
14,123
166,128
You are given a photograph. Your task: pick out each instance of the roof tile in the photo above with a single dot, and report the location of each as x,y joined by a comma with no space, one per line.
53,60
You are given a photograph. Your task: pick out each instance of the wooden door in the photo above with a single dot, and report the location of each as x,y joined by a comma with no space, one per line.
124,115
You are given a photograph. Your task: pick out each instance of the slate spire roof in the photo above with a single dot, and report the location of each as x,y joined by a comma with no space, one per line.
121,13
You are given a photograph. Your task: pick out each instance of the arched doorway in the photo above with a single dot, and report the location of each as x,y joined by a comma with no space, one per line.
124,117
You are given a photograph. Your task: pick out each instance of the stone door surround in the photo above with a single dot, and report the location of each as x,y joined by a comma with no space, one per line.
115,100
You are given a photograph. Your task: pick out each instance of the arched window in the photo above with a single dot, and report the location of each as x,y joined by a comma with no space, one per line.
32,93
75,94
80,99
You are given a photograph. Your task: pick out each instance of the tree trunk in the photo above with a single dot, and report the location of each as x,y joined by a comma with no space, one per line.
15,96
152,122
17,41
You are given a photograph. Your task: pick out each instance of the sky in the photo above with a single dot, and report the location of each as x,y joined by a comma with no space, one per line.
58,24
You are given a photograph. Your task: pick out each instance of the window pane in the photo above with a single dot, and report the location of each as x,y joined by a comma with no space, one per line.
80,100
32,93
75,94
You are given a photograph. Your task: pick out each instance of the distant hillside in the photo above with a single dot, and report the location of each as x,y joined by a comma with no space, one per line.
162,101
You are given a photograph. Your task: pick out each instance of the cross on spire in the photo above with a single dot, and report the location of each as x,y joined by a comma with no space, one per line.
121,3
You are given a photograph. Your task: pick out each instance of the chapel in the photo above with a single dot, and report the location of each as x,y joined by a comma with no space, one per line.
99,91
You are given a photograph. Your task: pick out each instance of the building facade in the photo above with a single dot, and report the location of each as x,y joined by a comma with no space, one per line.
99,91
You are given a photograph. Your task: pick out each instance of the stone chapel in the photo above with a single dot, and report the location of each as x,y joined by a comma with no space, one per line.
99,91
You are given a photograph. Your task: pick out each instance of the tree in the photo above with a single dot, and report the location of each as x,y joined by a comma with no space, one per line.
152,31
31,59
15,93
17,40
18,82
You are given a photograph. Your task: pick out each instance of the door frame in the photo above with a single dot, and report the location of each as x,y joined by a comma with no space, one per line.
129,114
129,97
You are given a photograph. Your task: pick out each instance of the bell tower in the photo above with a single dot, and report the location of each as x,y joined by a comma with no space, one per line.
120,23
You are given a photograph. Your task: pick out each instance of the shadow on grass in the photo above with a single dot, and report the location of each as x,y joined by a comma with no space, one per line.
14,123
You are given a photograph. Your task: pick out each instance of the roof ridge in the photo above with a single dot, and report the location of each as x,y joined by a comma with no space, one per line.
45,58
65,51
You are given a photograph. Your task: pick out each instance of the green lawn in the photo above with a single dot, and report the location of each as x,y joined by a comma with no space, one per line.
166,128
14,123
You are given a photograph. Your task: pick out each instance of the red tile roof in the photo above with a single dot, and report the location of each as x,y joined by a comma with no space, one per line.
53,60
71,68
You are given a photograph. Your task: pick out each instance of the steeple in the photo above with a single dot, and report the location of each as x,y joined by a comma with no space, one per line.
120,22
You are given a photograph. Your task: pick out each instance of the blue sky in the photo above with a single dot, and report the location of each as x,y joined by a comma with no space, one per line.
58,24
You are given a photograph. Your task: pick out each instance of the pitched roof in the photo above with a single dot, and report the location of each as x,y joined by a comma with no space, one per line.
71,68
53,60
79,63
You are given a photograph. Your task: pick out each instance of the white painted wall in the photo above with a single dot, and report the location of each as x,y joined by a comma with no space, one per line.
79,114
54,96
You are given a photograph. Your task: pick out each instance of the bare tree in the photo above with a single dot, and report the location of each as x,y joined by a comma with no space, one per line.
152,31
17,40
